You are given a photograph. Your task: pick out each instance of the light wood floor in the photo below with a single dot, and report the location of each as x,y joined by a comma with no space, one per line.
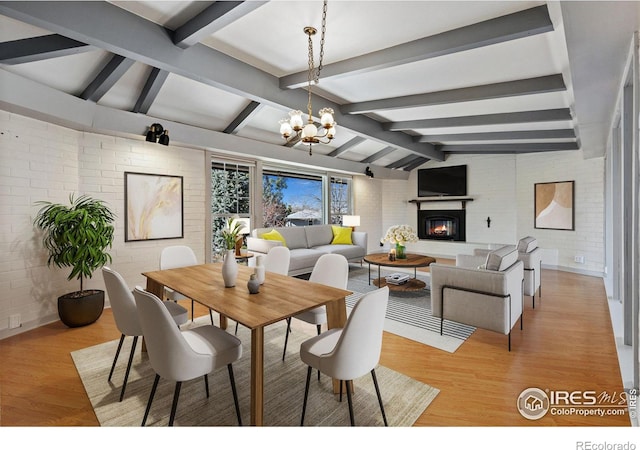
567,344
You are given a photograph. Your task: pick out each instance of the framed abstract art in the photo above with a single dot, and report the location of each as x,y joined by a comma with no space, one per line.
554,205
153,206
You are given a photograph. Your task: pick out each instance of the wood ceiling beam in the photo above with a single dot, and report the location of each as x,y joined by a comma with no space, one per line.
529,86
108,76
150,90
509,148
40,48
347,146
241,120
212,19
521,24
149,43
380,154
568,133
548,115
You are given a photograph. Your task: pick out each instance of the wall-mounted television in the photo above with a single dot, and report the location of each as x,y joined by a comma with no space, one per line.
442,181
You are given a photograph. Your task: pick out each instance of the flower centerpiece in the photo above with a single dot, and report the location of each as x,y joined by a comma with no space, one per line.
400,235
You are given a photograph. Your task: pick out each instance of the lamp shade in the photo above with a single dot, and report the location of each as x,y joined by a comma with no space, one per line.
350,221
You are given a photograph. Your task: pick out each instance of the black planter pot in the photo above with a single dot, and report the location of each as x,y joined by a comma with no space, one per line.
77,309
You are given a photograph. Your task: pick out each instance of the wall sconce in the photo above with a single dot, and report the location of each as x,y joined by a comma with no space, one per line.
368,172
158,134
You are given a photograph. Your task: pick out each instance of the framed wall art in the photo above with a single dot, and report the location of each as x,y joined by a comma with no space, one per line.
153,206
554,205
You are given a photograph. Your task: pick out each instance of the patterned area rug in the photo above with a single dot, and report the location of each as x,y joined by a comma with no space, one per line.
405,399
409,313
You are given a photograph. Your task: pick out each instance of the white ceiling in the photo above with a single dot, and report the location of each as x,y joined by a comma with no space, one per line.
569,54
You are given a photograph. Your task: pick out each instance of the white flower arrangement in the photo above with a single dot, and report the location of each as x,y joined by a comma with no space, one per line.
400,234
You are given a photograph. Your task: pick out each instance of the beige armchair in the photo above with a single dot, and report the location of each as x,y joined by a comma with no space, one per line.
488,295
531,256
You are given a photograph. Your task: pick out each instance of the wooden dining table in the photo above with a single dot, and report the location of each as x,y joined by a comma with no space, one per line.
280,297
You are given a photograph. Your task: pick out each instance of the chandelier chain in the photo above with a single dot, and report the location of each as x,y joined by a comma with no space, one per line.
310,76
324,28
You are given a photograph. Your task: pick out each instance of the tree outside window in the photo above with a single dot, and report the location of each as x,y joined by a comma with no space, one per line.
230,196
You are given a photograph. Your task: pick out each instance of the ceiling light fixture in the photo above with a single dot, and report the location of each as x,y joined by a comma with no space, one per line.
308,134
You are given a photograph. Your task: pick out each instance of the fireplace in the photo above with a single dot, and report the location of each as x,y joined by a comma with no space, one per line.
442,224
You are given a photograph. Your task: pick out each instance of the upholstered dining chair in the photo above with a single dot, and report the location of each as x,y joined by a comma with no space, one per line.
124,309
183,355
330,269
174,257
276,261
350,352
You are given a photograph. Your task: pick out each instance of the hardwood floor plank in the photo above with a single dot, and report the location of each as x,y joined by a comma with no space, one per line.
567,344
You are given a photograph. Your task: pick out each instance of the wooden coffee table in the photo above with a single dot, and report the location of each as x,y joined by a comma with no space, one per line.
412,260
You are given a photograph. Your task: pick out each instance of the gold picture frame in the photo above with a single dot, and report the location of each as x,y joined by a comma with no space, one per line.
554,205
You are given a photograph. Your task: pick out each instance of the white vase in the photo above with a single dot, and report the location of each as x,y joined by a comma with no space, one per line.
230,269
259,269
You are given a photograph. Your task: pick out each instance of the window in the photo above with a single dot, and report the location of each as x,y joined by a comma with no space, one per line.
230,196
340,201
291,199
296,199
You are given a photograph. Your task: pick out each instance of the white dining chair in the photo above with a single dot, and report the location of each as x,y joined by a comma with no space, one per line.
174,257
276,261
332,270
350,352
183,355
123,307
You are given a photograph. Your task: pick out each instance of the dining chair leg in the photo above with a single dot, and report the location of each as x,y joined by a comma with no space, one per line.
211,317
206,384
153,392
113,366
191,310
306,395
174,404
319,328
340,391
350,401
375,383
286,337
126,374
236,332
235,393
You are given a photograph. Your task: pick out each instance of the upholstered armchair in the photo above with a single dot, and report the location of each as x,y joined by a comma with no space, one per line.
488,295
531,256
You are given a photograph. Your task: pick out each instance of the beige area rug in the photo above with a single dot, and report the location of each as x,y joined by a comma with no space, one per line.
404,398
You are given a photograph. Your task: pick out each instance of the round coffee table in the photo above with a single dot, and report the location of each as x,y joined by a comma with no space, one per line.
412,260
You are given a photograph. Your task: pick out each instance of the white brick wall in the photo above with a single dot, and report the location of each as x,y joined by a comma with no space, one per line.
41,161
502,188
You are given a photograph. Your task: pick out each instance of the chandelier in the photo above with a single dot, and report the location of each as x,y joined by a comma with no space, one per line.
293,129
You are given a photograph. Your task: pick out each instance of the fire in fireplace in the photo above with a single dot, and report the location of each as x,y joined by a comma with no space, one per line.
442,224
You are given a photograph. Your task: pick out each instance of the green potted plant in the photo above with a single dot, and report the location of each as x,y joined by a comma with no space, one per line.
77,236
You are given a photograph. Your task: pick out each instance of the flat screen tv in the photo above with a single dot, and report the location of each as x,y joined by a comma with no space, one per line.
442,181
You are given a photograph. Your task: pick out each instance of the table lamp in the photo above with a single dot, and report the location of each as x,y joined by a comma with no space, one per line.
351,221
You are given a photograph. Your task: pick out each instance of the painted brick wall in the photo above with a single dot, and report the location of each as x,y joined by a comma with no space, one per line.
41,161
502,188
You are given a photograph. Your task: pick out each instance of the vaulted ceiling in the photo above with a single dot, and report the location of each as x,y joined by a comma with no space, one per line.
409,81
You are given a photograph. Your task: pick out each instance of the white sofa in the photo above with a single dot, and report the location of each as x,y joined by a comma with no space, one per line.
484,292
307,244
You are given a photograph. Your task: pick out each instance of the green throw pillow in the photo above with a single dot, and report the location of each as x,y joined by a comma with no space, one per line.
273,235
341,235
